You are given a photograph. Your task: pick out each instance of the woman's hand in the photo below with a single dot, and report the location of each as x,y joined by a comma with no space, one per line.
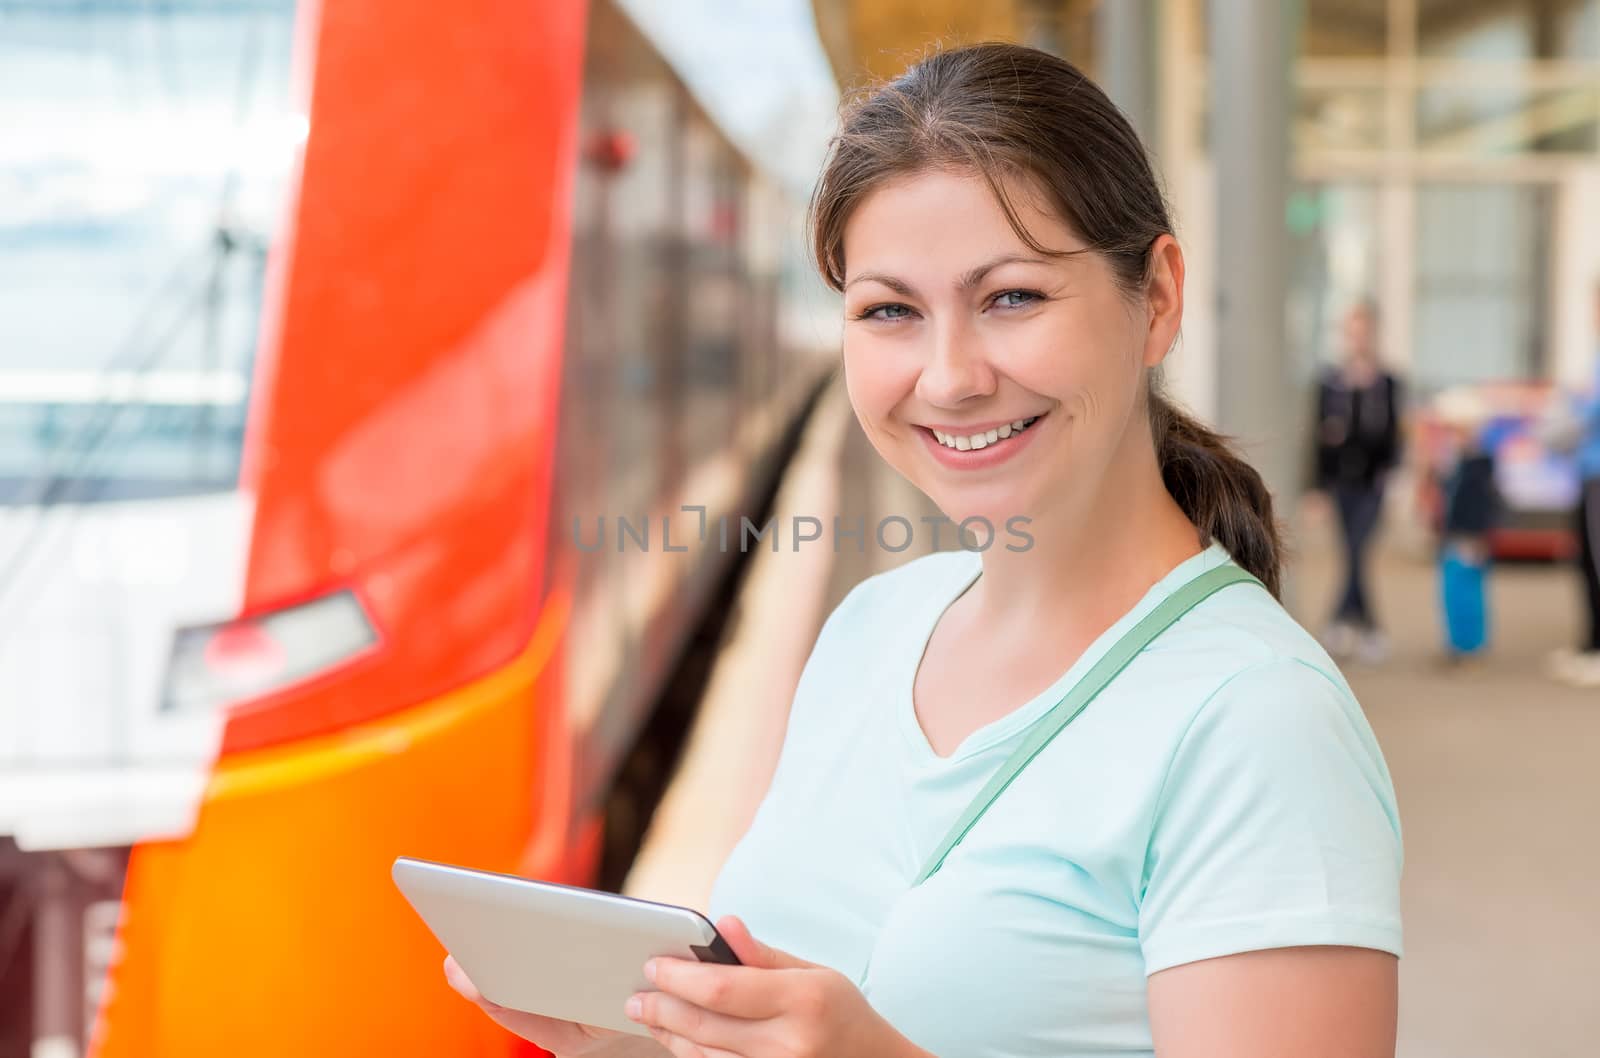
774,1005
564,1039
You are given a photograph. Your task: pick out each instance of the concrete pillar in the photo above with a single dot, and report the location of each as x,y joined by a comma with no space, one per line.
1258,398
1128,33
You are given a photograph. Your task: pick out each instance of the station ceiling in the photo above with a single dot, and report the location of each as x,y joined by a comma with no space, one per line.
874,39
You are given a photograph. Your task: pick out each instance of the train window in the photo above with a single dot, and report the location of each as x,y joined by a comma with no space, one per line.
712,221
638,312
615,451
141,188
581,468
764,224
668,311
581,452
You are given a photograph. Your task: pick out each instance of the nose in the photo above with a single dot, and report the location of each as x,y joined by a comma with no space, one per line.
957,368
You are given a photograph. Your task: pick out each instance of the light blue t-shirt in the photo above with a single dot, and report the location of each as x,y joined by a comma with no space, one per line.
1224,794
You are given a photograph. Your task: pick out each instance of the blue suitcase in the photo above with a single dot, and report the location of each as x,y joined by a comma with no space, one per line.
1466,617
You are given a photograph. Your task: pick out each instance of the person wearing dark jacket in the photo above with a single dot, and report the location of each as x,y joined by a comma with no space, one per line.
1472,502
1358,443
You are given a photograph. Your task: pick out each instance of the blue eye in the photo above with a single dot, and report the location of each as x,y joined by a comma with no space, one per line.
1027,296
873,312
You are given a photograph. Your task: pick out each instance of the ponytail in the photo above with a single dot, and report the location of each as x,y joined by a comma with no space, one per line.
1219,491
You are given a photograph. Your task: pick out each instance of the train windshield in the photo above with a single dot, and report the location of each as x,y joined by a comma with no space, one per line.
143,172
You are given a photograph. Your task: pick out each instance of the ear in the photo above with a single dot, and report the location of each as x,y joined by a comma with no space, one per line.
1163,294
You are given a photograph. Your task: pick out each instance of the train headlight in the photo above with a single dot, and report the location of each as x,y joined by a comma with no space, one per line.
217,665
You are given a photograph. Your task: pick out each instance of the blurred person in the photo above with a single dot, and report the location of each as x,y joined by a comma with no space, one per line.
1471,510
1578,430
1207,861
1357,444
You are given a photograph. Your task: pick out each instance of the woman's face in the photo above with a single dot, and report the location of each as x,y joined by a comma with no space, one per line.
955,332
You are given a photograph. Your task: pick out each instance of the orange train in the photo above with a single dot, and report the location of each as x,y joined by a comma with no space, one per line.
524,287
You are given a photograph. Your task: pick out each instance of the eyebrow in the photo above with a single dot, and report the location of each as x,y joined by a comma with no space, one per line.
969,279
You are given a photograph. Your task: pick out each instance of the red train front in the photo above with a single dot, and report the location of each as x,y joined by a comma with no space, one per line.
522,284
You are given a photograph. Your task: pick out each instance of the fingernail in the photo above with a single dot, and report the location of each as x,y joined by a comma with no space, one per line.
635,1008
650,971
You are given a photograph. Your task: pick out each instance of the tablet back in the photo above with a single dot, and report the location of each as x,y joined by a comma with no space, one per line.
555,950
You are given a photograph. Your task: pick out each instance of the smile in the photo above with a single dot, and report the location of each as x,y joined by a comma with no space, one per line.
982,439
974,449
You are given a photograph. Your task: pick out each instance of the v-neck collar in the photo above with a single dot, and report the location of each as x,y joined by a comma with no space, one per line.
1019,719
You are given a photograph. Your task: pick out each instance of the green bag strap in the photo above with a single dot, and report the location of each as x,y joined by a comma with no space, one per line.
1083,692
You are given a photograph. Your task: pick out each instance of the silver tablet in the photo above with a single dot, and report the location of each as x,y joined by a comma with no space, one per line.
555,950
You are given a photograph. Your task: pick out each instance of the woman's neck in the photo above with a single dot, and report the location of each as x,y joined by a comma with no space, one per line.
1090,564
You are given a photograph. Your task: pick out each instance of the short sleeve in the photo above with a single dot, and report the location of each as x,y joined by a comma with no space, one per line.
1276,826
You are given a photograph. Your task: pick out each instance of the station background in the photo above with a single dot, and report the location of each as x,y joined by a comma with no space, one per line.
1438,157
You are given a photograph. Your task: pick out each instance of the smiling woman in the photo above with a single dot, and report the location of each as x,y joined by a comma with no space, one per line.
1098,796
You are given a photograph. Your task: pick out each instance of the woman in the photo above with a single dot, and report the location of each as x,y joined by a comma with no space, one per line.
1358,443
1206,861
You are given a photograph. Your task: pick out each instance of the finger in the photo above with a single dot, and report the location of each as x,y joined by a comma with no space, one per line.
457,979
549,1033
552,1034
752,952
736,991
701,1027
682,1048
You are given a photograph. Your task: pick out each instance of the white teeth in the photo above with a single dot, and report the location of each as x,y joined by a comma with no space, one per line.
982,440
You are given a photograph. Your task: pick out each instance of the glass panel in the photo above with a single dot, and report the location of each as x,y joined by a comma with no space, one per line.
711,222
1338,118
640,318
618,392
143,168
1481,283
1509,30
1345,28
1333,264
1490,119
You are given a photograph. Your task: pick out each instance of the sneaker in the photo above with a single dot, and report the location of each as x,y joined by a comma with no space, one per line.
1373,649
1458,661
1580,670
1560,659
1339,639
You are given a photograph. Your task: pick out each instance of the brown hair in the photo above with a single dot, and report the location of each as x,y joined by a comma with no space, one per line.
1004,110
